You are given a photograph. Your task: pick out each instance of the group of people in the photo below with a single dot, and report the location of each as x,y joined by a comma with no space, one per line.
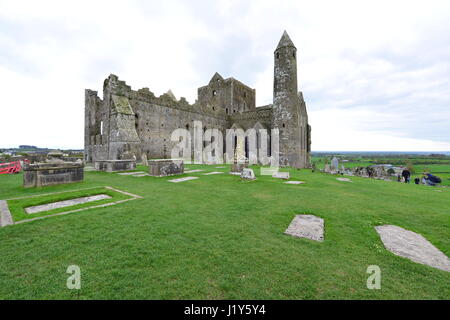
427,178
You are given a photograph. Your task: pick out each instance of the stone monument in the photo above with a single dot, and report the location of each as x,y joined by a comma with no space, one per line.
144,159
165,167
248,174
334,164
53,171
239,161
115,165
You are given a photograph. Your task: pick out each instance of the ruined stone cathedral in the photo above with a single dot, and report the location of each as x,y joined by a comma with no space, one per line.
130,123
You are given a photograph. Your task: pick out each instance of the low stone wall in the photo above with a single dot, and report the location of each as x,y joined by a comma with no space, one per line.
165,167
48,174
114,165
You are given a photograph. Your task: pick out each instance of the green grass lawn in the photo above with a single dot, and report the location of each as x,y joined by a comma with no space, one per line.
218,237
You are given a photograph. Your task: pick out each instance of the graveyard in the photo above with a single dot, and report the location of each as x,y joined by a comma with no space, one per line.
213,235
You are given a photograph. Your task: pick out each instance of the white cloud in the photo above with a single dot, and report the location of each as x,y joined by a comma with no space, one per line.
374,74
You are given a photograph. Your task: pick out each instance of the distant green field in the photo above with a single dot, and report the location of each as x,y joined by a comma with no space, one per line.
440,170
218,237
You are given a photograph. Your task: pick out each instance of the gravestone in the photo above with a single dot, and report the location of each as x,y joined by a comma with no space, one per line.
239,161
295,182
182,179
306,226
344,179
413,246
334,164
65,203
165,167
281,175
195,170
130,173
144,159
247,174
52,172
115,165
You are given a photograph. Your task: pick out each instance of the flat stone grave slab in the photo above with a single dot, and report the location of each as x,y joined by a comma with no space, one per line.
413,246
214,172
235,173
182,179
220,167
192,171
130,173
141,175
295,182
5,214
65,203
281,175
306,226
344,179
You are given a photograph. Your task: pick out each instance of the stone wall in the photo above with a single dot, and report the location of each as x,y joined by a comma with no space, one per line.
130,123
47,174
165,167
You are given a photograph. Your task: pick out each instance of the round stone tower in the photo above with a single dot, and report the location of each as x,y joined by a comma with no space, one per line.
287,114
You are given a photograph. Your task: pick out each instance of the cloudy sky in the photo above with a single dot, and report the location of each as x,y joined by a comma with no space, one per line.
375,74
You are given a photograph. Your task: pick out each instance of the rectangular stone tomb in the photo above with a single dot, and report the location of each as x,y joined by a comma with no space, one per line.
193,171
281,175
115,165
214,172
183,179
48,174
295,182
306,226
165,167
65,203
141,175
131,173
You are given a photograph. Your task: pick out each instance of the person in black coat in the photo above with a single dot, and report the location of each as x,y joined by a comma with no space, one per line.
406,175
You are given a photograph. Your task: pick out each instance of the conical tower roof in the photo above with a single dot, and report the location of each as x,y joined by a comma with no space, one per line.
285,41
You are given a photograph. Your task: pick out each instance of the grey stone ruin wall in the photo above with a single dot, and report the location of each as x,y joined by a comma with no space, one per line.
146,126
96,127
128,123
228,94
41,175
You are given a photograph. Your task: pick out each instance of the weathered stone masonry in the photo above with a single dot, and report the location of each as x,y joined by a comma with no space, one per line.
128,123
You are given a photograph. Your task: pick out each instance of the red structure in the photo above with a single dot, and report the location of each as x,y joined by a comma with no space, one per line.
11,167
